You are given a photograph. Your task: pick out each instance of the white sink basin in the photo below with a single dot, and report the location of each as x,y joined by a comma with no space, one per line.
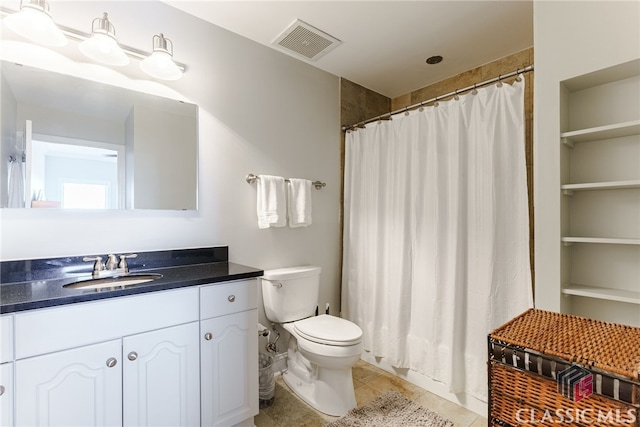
112,283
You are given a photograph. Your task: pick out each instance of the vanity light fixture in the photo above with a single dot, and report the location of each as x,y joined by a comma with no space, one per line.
34,22
103,46
160,63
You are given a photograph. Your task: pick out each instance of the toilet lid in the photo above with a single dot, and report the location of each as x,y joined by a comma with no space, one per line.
326,329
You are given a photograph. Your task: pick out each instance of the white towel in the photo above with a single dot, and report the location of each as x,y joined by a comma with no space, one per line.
16,184
299,206
271,202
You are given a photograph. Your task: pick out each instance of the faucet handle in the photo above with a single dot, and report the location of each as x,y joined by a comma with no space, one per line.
123,261
97,266
112,262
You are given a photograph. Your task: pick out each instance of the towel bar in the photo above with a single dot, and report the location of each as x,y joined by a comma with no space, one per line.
251,178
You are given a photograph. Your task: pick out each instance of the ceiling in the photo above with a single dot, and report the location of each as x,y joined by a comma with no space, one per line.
385,44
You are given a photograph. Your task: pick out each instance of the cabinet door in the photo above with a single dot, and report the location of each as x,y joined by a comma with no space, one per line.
78,387
6,338
161,382
229,368
6,394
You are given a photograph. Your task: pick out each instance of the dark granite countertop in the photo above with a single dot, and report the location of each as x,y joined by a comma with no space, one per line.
39,283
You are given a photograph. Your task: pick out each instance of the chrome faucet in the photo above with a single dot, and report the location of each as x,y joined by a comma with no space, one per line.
112,267
112,262
98,266
123,262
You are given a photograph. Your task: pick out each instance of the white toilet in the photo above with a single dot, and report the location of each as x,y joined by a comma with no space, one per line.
322,349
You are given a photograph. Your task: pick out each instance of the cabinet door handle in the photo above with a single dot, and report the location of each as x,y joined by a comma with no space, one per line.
132,356
1,390
111,362
208,336
231,298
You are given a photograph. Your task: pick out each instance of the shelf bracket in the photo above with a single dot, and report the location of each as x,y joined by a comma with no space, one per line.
567,192
567,142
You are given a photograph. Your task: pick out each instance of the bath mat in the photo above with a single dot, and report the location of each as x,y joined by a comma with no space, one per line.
391,409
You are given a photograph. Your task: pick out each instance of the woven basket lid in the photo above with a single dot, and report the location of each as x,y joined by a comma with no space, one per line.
610,347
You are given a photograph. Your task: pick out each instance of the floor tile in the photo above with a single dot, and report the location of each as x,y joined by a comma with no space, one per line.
480,422
369,382
364,372
264,420
389,382
461,417
365,394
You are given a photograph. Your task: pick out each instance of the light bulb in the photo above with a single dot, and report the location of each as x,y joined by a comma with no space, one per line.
104,49
34,23
160,63
161,66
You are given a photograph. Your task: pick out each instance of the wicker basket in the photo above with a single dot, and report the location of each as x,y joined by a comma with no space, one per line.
527,353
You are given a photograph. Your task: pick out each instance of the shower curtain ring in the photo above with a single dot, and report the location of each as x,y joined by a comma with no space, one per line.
436,103
499,80
474,91
455,96
406,111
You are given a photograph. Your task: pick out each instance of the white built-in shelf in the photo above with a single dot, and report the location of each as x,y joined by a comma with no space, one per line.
620,295
568,189
616,130
601,240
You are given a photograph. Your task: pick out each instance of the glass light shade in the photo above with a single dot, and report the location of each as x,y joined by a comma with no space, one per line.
104,49
35,24
102,46
161,66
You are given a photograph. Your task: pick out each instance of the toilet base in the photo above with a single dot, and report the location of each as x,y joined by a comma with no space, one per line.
330,393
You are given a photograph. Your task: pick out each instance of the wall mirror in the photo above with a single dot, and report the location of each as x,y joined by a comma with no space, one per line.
68,142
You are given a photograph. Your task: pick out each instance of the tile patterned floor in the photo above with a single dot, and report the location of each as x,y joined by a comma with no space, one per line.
369,382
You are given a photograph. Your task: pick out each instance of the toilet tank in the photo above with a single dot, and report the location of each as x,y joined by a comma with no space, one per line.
290,294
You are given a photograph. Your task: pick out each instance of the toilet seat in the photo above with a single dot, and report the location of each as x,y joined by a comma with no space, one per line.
329,330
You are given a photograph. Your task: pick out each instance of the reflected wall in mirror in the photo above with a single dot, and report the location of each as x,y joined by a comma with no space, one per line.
68,142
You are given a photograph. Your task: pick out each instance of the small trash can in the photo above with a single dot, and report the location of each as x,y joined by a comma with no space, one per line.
266,380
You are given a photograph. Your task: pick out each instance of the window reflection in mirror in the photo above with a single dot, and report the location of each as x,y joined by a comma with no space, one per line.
76,174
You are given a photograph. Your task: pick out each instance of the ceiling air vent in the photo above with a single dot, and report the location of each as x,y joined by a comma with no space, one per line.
304,40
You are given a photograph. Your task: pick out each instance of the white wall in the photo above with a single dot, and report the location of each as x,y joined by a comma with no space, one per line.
164,159
570,39
47,121
8,113
260,111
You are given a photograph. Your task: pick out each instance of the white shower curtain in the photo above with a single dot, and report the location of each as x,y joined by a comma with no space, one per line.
436,237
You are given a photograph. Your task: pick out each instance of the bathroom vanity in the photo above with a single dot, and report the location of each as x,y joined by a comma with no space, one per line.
179,350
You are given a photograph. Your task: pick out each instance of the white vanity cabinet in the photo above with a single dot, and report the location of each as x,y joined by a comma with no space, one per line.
124,361
183,357
161,377
77,387
229,353
6,370
6,394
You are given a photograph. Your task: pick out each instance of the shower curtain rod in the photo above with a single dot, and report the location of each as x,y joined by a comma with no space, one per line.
455,92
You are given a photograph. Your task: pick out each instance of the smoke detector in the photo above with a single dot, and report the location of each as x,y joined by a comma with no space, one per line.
306,41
